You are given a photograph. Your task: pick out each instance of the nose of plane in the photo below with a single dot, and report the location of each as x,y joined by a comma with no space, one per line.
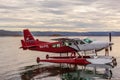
108,44
98,45
104,44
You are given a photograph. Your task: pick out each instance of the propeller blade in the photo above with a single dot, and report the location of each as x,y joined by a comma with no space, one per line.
110,40
110,48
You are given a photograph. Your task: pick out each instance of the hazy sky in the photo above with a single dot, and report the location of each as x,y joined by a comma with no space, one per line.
60,15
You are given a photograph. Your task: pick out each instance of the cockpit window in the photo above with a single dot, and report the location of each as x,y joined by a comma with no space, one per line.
87,40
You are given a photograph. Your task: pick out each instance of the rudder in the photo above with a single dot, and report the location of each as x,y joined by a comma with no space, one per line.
29,40
28,36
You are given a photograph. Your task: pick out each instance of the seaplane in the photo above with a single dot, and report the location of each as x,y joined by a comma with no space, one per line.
75,46
63,45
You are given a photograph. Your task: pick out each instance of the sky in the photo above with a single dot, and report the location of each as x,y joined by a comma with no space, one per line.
60,15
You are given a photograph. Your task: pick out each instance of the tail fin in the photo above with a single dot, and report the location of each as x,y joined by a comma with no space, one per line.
29,40
28,36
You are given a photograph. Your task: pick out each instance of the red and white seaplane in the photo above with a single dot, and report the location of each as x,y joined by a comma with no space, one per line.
76,47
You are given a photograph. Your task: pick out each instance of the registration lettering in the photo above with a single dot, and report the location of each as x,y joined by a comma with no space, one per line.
44,46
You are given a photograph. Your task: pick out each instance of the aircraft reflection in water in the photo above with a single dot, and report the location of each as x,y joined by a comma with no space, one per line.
35,72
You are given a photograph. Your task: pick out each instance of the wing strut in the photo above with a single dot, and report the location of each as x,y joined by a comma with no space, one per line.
76,46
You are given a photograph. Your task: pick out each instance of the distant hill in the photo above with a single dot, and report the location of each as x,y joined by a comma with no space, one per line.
10,33
49,33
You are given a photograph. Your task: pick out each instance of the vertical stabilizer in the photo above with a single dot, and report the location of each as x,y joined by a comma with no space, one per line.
29,40
28,36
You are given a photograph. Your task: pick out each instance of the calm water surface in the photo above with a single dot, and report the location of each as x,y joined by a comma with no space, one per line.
17,64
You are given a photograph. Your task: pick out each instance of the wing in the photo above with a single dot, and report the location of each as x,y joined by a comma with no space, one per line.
61,39
66,39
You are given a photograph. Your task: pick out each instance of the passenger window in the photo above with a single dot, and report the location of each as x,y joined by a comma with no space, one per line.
81,42
56,45
66,44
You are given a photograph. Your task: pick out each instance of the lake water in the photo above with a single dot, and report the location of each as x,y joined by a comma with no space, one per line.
18,64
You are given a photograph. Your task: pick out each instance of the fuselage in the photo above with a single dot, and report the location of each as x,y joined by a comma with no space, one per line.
54,47
62,45
66,47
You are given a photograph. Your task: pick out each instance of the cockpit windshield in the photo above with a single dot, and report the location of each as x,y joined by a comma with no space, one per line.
87,40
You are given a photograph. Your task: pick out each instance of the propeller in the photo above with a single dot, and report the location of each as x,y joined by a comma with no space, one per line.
110,40
110,45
